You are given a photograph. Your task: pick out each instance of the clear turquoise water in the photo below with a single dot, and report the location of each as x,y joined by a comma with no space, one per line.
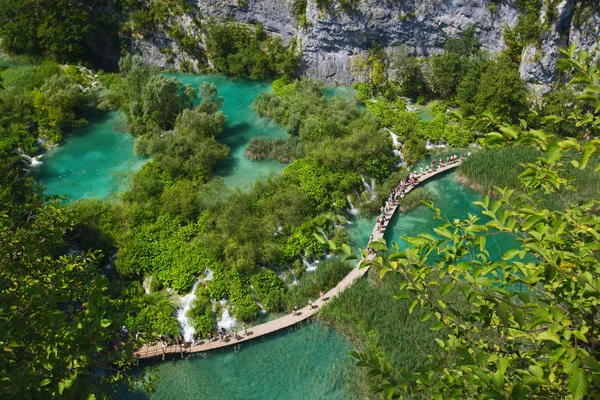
242,124
93,161
302,363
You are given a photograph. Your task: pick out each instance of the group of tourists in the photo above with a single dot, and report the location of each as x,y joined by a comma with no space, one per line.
221,335
310,304
406,185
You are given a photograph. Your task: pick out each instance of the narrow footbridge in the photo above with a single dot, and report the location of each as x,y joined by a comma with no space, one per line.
160,350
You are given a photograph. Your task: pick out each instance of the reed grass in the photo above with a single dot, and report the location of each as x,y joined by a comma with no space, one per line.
484,170
281,149
374,321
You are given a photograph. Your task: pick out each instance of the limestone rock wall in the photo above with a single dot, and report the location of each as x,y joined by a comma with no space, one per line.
331,39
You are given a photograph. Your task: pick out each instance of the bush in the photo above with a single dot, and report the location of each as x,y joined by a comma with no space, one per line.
281,149
200,314
270,289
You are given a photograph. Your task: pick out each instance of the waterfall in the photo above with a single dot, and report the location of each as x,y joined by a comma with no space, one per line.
395,141
186,303
310,267
146,284
428,145
294,280
226,321
208,275
279,230
352,210
32,161
369,188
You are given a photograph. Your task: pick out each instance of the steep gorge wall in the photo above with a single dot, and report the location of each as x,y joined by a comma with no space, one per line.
330,40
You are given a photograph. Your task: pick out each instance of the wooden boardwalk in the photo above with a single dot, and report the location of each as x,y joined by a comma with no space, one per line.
158,350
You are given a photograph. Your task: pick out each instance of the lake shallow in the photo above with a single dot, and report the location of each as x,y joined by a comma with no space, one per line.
305,362
92,161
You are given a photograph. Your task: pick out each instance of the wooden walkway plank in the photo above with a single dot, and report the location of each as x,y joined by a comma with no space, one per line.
158,350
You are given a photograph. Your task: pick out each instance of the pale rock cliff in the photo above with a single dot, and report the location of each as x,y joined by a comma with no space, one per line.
330,40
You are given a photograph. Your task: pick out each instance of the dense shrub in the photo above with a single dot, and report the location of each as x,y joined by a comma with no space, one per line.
270,289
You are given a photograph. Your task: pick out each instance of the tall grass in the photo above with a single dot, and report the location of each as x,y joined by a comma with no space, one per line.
281,149
374,321
484,170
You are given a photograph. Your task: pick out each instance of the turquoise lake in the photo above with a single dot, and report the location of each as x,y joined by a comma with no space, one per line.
305,362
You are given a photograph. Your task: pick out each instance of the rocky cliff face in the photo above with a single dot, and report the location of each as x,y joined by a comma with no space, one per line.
331,39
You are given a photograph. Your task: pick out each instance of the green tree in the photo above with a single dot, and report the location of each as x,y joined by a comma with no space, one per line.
58,104
55,323
501,91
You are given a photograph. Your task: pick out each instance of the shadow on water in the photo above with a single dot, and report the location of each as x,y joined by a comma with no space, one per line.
233,136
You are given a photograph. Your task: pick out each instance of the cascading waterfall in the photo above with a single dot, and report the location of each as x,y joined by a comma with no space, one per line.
294,280
226,321
278,231
32,161
310,267
146,284
397,146
185,303
369,188
208,275
352,210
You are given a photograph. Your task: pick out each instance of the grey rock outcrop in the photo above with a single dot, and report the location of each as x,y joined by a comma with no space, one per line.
331,40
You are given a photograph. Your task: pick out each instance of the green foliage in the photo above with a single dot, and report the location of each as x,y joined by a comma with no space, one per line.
154,315
333,131
498,167
501,92
413,150
299,11
242,299
58,105
239,50
375,322
56,315
64,29
200,314
163,249
270,289
161,101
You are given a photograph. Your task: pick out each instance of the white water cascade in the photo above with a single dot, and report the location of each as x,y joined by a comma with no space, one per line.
146,284
369,188
32,161
185,303
208,275
310,267
226,321
439,145
352,210
294,280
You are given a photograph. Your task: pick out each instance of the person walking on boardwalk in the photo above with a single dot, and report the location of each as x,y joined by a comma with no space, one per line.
245,330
